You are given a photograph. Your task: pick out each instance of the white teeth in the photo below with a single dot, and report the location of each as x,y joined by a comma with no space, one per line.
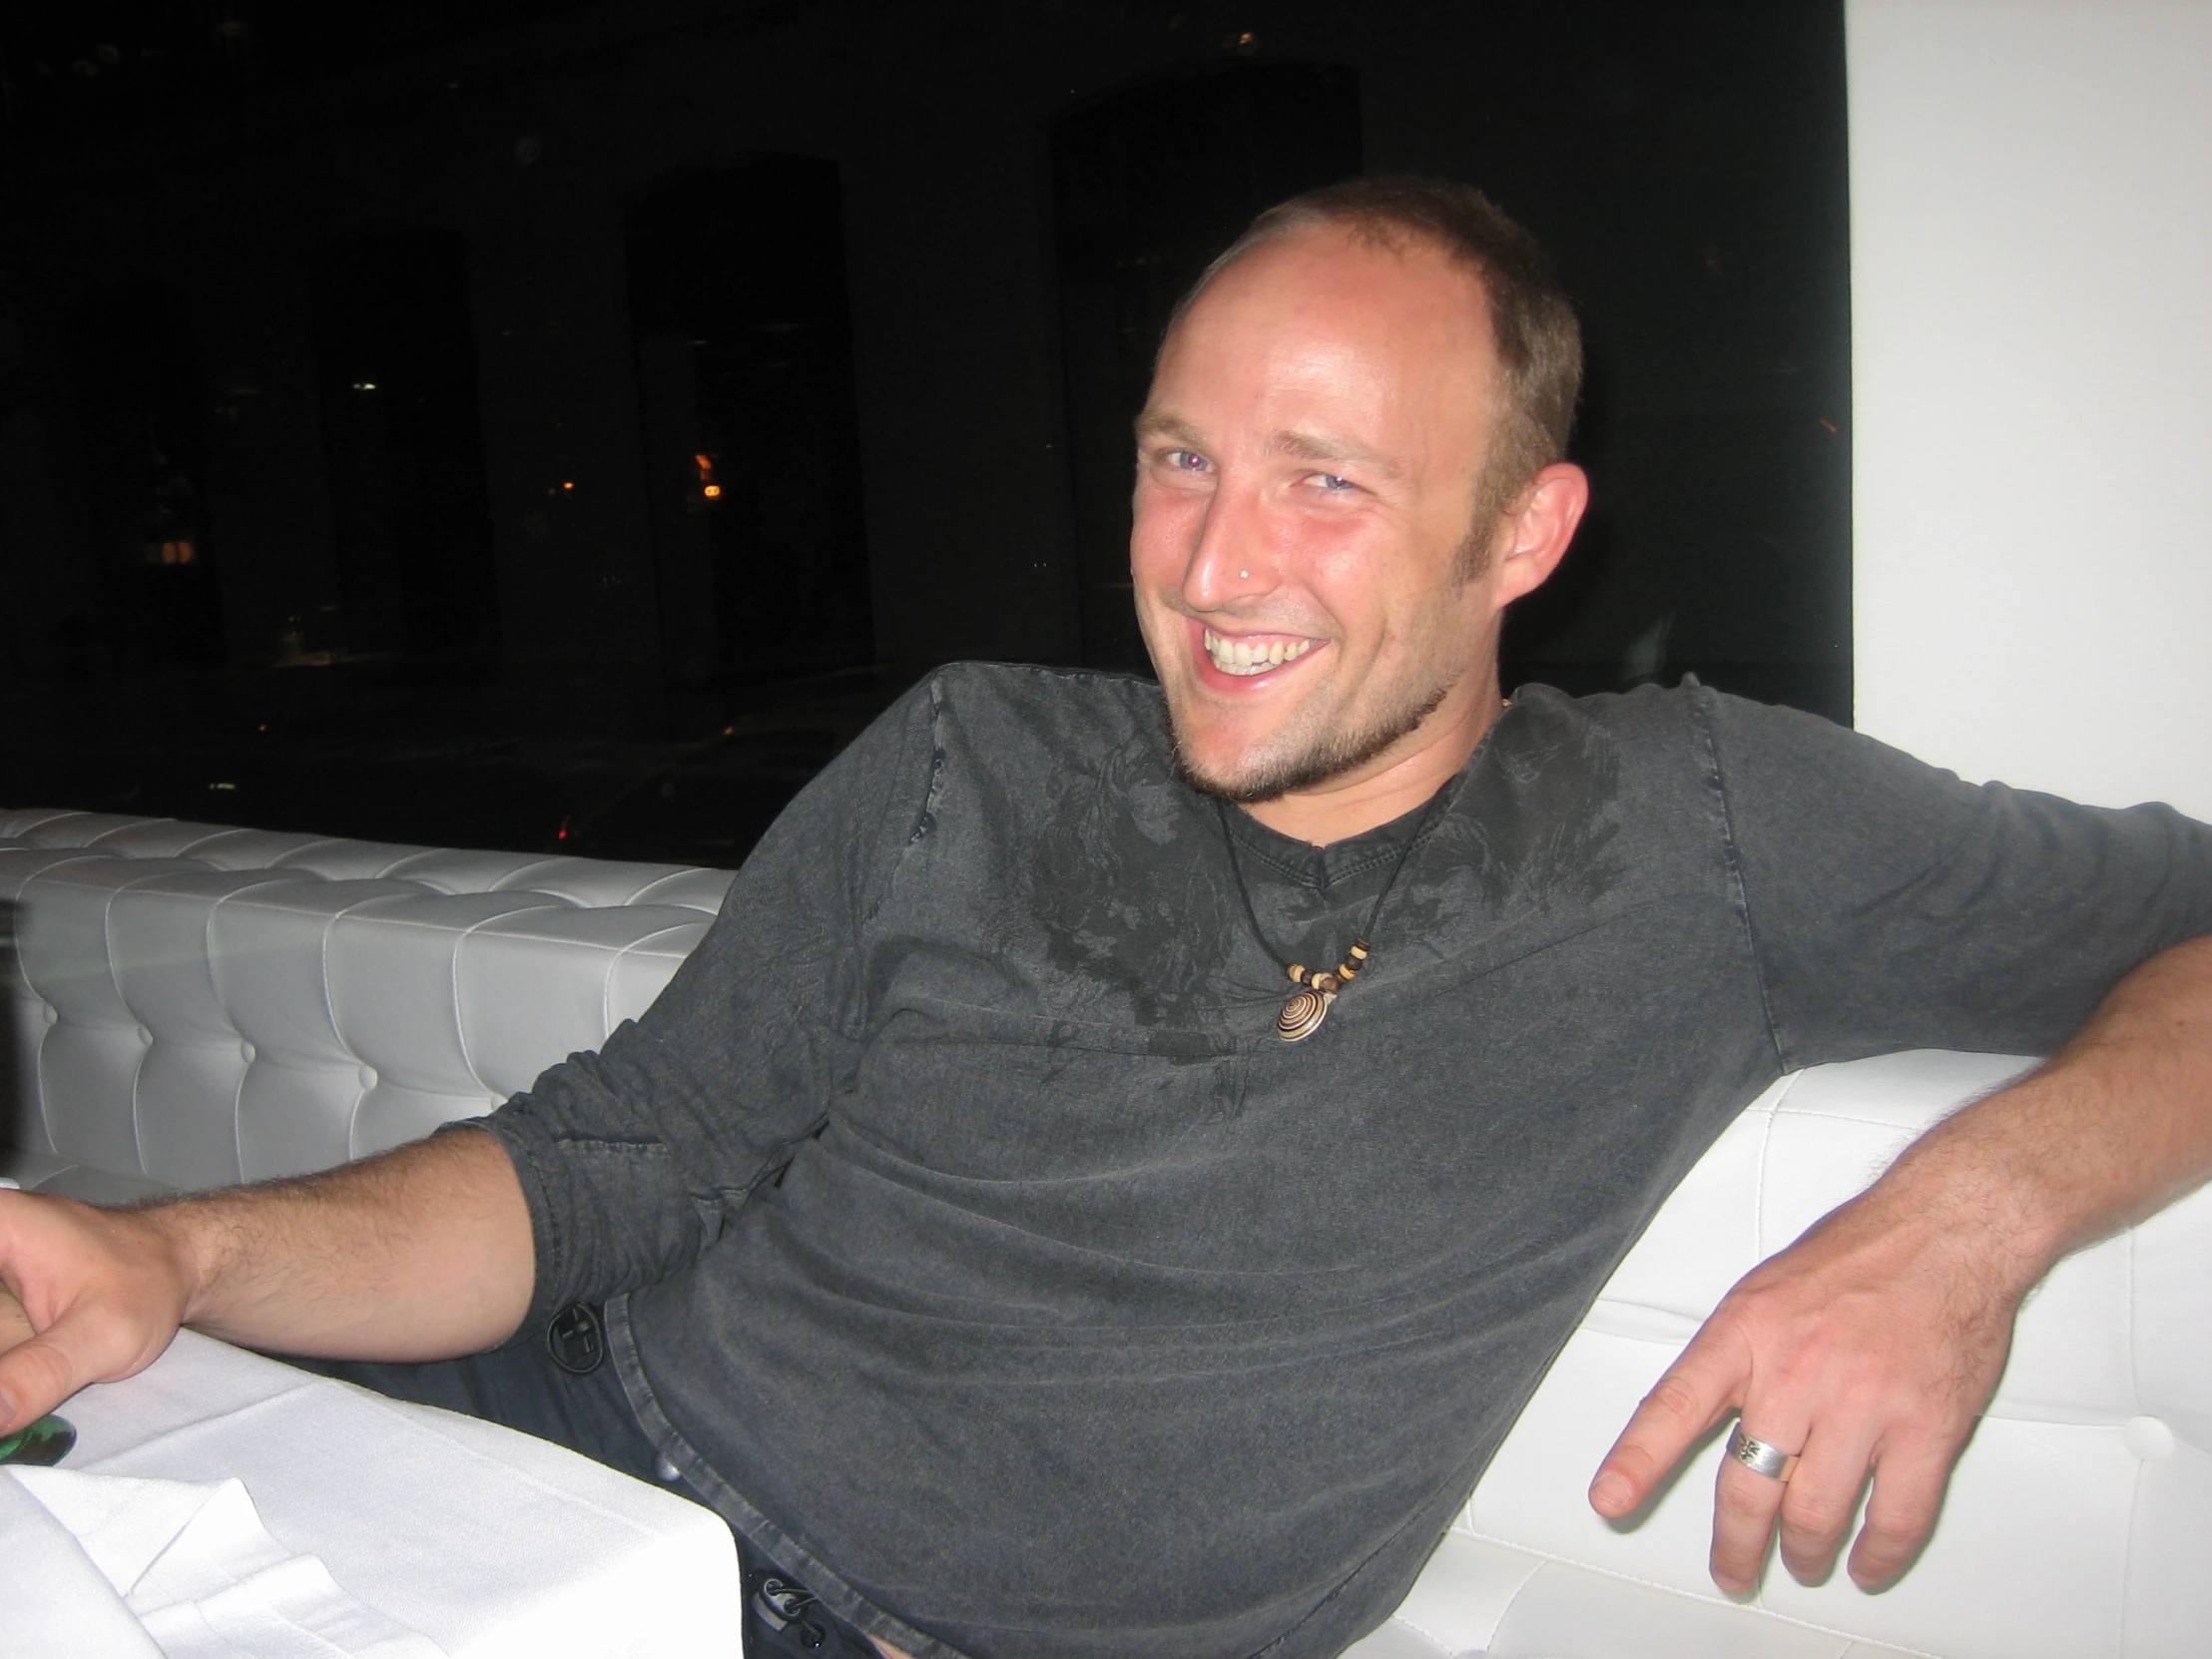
1244,658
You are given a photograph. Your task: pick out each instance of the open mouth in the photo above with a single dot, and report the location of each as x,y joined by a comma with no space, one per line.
1255,653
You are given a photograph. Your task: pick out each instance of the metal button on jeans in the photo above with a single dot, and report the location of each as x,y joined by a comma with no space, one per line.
576,1339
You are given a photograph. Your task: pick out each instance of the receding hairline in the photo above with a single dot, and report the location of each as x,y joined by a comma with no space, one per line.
1401,241
1365,231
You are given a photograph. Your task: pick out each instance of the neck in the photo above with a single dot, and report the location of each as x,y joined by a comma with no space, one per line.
1395,782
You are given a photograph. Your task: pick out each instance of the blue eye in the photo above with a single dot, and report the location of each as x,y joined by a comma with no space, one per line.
1186,460
1330,482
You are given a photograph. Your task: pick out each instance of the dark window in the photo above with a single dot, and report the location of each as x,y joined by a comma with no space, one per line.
137,380
397,360
745,386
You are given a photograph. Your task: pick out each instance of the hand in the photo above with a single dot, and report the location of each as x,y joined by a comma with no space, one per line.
15,1324
1874,1341
1871,1343
86,1296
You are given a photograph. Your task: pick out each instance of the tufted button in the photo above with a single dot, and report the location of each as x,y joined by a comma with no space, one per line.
2149,1439
369,1077
51,1013
146,1038
245,1052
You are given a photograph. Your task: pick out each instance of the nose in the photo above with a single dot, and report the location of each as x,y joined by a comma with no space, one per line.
1232,561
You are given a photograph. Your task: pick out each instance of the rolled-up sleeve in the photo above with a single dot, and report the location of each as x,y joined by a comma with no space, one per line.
633,1158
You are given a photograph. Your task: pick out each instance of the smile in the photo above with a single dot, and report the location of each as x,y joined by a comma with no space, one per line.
1248,657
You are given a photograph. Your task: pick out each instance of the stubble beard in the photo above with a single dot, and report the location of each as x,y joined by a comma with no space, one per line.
1307,760
1307,763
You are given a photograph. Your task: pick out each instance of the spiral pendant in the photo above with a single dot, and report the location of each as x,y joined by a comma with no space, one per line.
1302,1015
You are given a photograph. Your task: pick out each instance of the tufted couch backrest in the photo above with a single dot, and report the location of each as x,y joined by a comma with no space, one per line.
217,1004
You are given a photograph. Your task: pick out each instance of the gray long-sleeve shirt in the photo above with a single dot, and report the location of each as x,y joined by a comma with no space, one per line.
976,1245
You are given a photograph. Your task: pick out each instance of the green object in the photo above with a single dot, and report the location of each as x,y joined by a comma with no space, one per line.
45,1442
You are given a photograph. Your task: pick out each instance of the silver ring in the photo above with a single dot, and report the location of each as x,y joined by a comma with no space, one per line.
1760,1457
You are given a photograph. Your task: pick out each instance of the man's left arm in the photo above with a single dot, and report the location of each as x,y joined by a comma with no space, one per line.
1875,1342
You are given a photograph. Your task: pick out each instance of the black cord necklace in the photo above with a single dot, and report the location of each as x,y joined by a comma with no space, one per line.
1309,1006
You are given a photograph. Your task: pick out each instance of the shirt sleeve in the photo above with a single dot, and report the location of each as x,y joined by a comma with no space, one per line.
632,1159
1893,906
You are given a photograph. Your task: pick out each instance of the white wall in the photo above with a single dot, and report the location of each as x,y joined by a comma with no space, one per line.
2032,312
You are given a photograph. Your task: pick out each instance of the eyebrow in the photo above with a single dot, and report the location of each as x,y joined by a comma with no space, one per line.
1321,446
1152,424
1305,447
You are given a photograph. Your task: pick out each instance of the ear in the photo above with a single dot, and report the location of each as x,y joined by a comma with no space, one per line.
1535,537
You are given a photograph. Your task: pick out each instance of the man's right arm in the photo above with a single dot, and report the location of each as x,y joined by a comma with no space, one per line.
632,1157
424,1253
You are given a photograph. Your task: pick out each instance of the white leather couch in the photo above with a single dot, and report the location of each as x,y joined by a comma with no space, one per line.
188,1005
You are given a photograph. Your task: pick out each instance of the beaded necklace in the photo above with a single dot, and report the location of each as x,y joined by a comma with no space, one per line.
1309,1006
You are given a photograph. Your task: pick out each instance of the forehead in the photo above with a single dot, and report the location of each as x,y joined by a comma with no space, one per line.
1390,343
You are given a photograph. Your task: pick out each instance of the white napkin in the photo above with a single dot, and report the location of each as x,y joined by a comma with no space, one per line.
54,1603
196,1571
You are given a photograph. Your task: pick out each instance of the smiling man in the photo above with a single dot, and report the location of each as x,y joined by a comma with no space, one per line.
1322,552
1126,1153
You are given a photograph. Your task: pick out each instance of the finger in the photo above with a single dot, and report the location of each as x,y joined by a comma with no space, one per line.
1908,1483
1744,1510
78,1349
1823,1494
15,1323
1700,1389
35,1377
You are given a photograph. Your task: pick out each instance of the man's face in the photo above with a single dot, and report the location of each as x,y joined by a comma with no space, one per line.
1306,477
